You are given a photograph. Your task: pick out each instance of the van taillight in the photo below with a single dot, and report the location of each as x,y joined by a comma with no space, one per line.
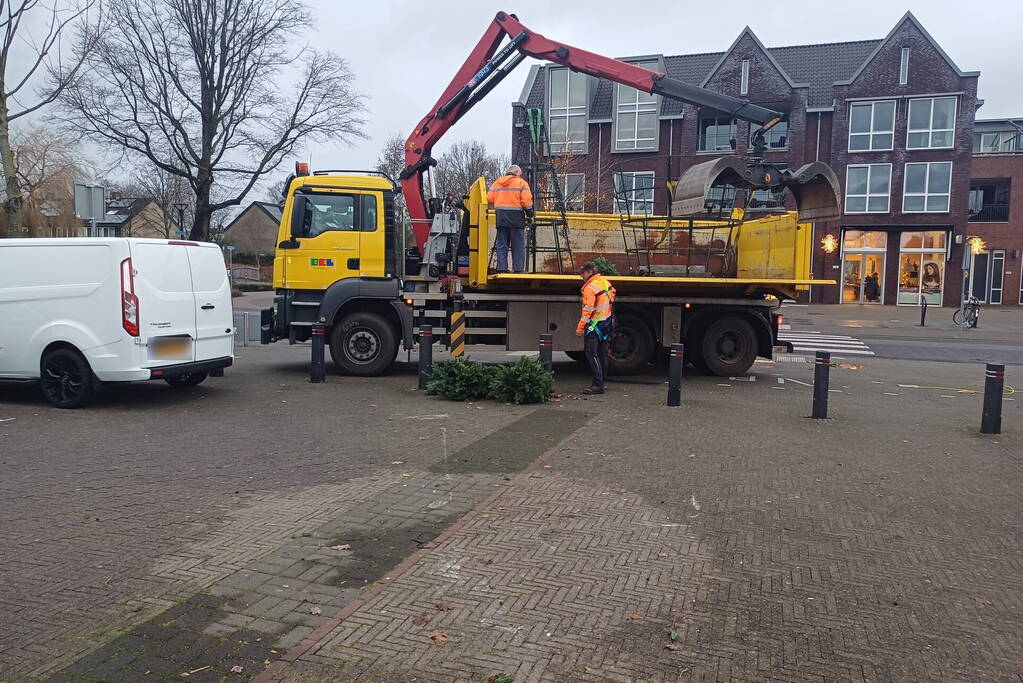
129,302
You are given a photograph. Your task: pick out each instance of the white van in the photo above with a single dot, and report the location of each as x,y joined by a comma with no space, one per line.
78,312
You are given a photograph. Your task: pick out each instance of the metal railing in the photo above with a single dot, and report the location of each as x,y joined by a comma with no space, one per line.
991,213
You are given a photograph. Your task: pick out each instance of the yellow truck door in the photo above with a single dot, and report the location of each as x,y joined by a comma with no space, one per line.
329,240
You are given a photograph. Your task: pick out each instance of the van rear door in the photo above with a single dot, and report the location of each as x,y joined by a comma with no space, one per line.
163,285
214,316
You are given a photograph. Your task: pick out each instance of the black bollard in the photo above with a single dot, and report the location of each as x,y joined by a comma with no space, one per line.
425,354
994,386
318,367
675,362
821,376
547,352
923,313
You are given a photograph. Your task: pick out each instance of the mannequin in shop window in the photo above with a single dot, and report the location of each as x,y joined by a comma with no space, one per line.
871,288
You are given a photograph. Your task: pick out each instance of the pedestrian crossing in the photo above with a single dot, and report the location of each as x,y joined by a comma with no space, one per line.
837,344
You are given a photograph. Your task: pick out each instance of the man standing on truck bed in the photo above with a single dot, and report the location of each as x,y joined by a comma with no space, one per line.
595,323
511,198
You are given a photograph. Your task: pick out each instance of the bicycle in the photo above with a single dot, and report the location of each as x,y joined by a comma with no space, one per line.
968,314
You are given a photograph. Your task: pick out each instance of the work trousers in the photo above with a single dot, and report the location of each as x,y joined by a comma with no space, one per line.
596,352
511,230
516,237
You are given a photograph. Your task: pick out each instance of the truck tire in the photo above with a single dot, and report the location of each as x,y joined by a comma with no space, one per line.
631,346
65,378
729,346
363,344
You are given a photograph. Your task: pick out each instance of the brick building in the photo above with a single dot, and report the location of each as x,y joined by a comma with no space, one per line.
996,211
894,117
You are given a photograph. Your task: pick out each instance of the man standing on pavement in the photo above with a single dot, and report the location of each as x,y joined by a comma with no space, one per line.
595,323
513,201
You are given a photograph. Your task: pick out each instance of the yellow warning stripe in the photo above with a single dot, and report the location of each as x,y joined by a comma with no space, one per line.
456,339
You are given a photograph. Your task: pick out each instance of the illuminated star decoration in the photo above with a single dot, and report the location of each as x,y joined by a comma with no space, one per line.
829,243
977,245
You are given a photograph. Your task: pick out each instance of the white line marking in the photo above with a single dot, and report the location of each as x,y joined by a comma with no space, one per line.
789,379
889,393
909,386
696,505
8,419
781,380
746,378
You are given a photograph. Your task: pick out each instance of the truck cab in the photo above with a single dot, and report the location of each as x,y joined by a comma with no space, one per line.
336,265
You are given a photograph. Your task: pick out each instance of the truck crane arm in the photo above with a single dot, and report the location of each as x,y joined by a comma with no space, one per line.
814,186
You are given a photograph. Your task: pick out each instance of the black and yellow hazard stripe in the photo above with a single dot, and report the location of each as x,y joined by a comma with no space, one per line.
456,336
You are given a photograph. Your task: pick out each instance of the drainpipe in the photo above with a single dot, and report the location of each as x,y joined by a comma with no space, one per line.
600,143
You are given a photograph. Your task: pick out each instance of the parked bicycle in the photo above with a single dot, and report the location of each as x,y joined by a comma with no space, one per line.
968,314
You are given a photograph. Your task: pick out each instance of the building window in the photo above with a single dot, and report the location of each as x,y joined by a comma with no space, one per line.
868,188
927,187
871,126
566,113
635,118
717,133
744,79
573,187
996,142
863,266
989,201
775,138
904,67
921,267
634,192
931,123
765,200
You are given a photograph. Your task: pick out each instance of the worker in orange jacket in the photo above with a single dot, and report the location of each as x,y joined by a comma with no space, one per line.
513,202
595,323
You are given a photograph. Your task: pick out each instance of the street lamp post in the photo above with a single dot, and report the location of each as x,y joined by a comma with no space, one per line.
181,206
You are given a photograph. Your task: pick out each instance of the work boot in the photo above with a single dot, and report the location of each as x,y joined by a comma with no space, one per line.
593,390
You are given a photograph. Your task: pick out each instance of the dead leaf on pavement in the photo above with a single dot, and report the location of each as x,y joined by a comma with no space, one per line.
672,646
421,619
444,606
237,669
438,636
186,674
636,617
344,546
315,610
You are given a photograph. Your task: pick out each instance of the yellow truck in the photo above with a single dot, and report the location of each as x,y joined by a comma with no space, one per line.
341,263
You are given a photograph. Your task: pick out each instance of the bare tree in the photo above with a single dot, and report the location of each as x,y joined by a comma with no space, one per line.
168,191
391,163
194,87
57,53
463,164
275,193
47,167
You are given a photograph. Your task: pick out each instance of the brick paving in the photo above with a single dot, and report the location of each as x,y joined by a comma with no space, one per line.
882,545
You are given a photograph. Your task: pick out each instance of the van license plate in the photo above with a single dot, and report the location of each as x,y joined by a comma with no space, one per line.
173,349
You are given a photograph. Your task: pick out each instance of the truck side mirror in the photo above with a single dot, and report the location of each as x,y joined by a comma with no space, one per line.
298,211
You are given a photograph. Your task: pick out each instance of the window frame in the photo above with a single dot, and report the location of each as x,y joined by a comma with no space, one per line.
630,200
360,200
563,179
926,194
868,194
872,132
904,67
634,108
744,78
567,112
767,136
931,131
733,127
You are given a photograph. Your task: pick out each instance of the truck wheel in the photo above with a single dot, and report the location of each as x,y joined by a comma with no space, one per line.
729,347
363,344
65,378
189,379
631,346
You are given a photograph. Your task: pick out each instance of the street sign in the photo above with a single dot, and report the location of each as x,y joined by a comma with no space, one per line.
90,201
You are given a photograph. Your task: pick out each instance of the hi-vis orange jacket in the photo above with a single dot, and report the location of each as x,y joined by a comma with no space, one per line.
598,295
510,192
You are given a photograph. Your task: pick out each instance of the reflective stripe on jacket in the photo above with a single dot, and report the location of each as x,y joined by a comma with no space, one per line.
510,192
598,295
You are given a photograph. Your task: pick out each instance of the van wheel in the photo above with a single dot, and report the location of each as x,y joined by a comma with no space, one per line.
631,346
729,346
189,379
65,378
363,344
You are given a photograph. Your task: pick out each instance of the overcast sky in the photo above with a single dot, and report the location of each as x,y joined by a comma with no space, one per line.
404,52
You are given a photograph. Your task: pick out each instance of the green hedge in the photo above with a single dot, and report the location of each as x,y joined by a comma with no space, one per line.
524,381
254,287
